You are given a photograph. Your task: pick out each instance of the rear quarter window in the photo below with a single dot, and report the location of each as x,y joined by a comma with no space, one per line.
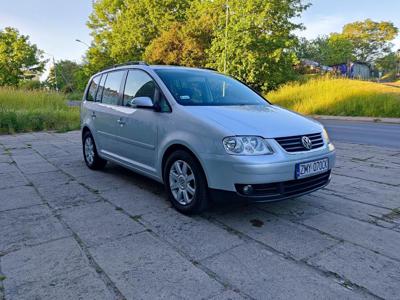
91,94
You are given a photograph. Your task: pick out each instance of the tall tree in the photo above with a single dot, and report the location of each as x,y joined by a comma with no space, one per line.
184,43
388,63
326,50
19,59
257,49
122,29
101,22
258,40
370,39
337,50
67,75
141,21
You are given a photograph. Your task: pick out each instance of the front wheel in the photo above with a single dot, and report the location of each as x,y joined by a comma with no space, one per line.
92,158
186,183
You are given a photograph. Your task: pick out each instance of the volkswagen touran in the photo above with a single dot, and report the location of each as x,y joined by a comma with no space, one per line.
203,134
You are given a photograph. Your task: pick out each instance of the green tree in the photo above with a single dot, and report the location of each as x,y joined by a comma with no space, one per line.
326,50
387,63
305,49
122,29
19,59
68,76
259,43
100,23
259,40
370,39
337,50
140,22
186,42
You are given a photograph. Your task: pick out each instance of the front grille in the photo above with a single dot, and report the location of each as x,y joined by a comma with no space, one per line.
285,189
294,144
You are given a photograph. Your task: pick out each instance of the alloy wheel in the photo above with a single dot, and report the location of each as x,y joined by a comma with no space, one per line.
182,182
89,150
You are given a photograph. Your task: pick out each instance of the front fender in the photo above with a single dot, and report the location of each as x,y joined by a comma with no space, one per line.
182,139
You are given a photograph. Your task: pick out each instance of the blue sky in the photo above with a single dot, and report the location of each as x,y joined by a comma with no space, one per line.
55,24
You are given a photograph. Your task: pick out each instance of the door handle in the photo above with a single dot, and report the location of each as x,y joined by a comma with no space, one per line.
93,115
121,122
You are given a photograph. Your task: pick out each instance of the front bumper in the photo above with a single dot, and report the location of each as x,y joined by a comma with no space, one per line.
225,172
275,191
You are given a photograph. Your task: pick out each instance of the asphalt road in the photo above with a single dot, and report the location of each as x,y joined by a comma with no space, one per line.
378,134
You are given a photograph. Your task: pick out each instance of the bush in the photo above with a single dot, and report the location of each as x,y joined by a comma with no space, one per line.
30,85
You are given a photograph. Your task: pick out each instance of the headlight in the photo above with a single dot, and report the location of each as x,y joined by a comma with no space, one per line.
246,145
325,136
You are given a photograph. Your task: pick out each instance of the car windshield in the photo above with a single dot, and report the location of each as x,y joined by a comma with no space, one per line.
207,88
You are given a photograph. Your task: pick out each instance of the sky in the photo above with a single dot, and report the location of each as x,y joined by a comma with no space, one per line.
53,25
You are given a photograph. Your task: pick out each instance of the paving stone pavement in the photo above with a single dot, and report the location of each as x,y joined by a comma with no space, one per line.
67,232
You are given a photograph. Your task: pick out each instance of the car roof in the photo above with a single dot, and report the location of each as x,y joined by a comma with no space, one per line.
168,67
142,65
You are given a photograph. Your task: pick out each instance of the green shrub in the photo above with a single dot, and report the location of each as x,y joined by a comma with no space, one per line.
30,85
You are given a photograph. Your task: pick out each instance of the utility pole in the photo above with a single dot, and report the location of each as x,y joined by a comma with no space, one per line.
55,73
398,63
226,34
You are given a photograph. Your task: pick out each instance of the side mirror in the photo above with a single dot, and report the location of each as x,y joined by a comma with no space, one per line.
141,102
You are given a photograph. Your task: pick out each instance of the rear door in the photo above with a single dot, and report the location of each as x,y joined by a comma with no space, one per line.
107,115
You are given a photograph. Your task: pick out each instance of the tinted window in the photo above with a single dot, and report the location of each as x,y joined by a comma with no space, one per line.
111,87
93,88
101,88
138,84
197,87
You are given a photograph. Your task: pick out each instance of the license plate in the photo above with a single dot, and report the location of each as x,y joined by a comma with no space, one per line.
310,168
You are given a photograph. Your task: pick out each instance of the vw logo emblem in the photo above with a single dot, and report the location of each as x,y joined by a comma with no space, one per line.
306,142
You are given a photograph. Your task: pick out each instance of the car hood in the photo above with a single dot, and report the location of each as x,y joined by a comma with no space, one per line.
268,121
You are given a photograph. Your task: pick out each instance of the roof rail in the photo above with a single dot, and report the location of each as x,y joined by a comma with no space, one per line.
126,64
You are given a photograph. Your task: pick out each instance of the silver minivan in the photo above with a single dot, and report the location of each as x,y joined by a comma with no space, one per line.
203,134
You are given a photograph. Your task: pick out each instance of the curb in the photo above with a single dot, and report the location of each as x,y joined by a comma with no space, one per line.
358,119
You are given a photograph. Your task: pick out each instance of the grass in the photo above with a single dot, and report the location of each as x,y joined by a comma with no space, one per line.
340,97
74,96
24,111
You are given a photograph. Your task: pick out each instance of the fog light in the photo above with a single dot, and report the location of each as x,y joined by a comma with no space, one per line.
247,189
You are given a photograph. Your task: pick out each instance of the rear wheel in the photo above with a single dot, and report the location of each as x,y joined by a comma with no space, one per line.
92,159
186,183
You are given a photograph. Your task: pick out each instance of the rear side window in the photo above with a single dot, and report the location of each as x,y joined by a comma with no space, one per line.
91,94
101,88
111,92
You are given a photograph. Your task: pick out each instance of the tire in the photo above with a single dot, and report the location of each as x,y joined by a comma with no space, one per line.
190,181
93,161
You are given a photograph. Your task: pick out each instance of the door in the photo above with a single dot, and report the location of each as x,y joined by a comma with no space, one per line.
107,116
140,128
